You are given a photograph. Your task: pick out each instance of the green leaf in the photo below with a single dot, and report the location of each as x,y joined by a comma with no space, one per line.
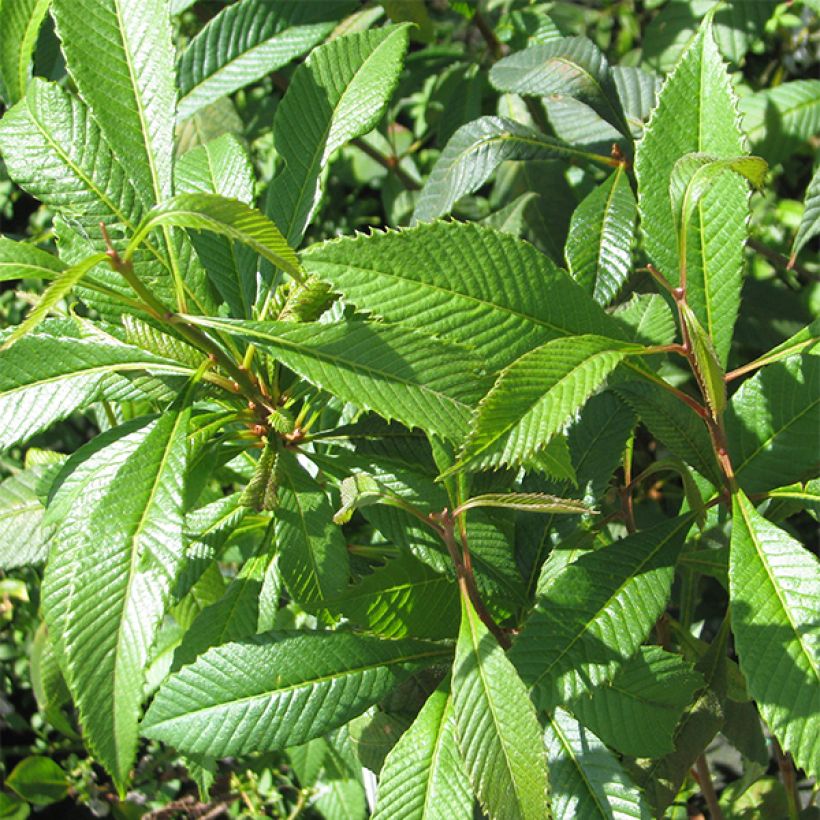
39,780
573,66
45,378
810,222
405,598
649,318
222,166
587,780
535,396
20,22
697,113
526,502
313,555
304,684
340,92
638,92
62,285
596,613
23,538
469,284
423,777
247,41
124,550
771,420
637,711
496,726
227,217
780,120
397,373
601,233
774,585
20,260
128,84
707,368
475,151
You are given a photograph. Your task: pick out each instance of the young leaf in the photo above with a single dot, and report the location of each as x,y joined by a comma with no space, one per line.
340,92
636,713
771,420
573,66
397,373
810,222
774,585
696,112
536,395
601,233
246,41
587,780
122,548
528,502
708,372
496,726
20,260
302,684
475,151
596,613
423,777
227,217
20,22
469,284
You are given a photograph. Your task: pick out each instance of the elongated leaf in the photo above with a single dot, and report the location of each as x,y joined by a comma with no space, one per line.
45,378
536,395
496,726
638,91
20,22
338,93
596,613
636,713
774,585
313,556
246,41
810,222
226,217
601,233
586,778
466,283
771,422
19,260
129,84
697,112
779,120
222,166
527,502
303,685
423,777
122,550
649,317
475,151
405,598
23,538
573,66
396,373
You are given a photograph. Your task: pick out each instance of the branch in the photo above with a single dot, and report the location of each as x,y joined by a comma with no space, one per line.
778,260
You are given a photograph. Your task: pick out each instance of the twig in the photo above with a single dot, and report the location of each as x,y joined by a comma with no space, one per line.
707,787
778,260
787,775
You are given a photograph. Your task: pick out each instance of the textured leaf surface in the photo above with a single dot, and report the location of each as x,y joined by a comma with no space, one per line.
810,222
496,726
649,317
23,538
44,378
246,41
423,777
397,373
771,423
313,556
586,778
20,260
596,613
338,93
20,22
278,689
775,585
573,66
108,581
466,283
696,112
536,395
601,233
475,151
636,713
